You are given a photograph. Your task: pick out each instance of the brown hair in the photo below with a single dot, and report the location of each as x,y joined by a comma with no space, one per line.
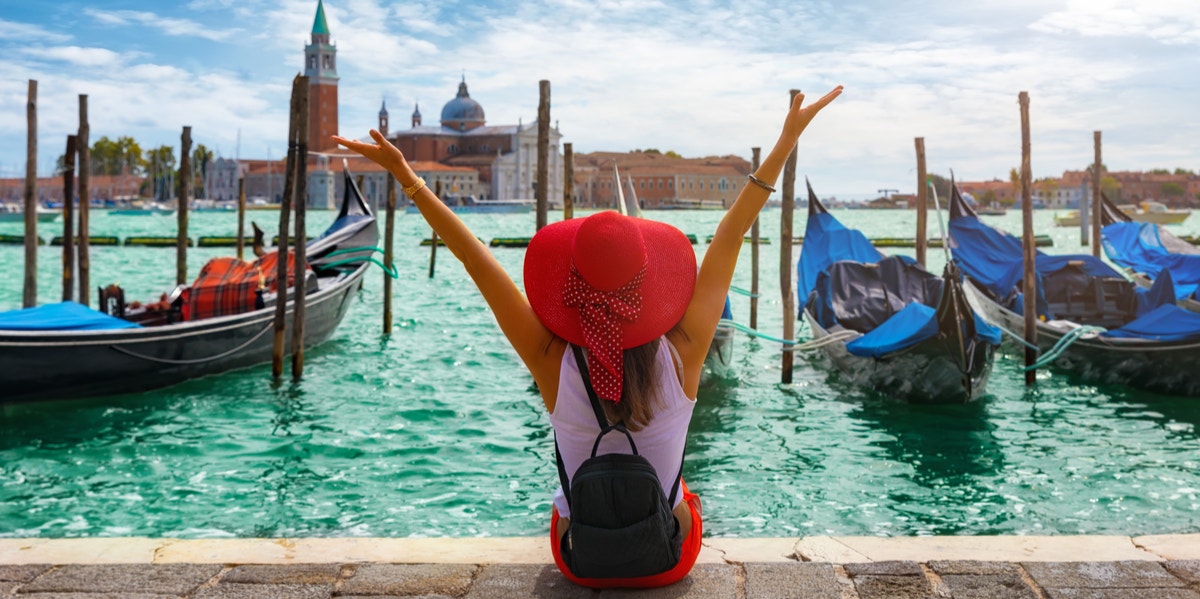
639,397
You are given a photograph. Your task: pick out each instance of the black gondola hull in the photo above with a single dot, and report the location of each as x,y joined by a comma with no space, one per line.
1159,366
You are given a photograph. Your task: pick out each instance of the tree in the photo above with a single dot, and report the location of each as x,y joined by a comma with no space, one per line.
201,158
1183,171
162,170
988,197
1172,189
1014,180
1111,188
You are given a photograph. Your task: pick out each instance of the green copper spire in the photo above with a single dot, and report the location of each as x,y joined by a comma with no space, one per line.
320,27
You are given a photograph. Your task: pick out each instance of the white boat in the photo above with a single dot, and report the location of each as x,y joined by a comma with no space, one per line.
469,204
13,213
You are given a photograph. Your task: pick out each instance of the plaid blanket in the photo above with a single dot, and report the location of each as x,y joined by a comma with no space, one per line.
230,286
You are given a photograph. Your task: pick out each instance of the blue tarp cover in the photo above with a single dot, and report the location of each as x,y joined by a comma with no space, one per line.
826,240
911,325
1139,247
1164,323
67,316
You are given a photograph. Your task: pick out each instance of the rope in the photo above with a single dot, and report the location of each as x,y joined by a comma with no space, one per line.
744,292
794,345
269,326
392,272
1071,337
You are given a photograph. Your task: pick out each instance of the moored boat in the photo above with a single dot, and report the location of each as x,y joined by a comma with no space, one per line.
1148,251
1091,320
885,322
63,351
16,213
471,204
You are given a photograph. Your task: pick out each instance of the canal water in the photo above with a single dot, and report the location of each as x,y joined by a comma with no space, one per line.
434,429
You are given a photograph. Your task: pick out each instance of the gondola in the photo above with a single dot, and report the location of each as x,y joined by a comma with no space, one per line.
1091,320
67,351
887,323
1148,250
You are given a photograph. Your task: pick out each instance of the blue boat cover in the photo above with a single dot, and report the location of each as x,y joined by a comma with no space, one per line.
1139,247
826,240
66,316
913,324
1164,323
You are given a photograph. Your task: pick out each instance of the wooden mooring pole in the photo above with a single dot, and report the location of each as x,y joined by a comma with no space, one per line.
181,211
29,297
568,181
433,236
754,233
787,212
300,270
543,153
241,228
68,216
285,210
84,252
922,240
1096,166
1029,285
389,232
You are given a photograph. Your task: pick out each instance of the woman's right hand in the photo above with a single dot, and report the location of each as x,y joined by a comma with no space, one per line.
799,116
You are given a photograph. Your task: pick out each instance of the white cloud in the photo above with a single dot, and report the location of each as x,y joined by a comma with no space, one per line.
167,25
77,56
16,31
1166,21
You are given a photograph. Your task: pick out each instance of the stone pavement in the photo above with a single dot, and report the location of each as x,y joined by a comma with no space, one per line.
1087,567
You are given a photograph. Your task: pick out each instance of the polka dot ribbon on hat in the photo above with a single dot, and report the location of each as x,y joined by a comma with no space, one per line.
600,316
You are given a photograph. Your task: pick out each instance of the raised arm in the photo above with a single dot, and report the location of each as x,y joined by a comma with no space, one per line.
699,323
535,344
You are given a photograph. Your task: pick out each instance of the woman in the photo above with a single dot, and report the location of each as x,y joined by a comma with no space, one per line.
618,287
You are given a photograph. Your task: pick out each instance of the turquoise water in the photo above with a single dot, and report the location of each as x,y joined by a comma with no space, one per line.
436,431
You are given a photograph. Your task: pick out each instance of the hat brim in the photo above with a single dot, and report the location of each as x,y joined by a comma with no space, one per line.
666,291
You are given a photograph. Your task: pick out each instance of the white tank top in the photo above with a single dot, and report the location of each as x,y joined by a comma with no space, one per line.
661,441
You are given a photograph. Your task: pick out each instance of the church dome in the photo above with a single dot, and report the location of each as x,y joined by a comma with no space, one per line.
462,112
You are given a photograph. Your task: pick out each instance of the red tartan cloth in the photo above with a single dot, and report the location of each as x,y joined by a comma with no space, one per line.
228,285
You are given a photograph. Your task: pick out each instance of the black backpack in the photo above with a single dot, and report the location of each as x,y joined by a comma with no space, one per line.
622,524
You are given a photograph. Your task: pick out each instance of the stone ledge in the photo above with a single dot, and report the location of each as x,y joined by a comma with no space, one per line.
536,550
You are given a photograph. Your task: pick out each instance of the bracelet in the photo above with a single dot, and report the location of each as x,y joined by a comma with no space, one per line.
409,190
760,183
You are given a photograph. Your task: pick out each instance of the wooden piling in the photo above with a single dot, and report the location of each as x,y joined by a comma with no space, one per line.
300,270
68,216
285,210
922,202
433,237
568,181
389,231
29,297
181,211
241,208
1096,196
1027,244
543,153
785,253
754,238
83,250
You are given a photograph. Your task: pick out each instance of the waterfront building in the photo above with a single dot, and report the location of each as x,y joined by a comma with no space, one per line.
659,180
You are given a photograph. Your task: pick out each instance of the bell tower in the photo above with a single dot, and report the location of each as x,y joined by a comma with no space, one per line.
320,66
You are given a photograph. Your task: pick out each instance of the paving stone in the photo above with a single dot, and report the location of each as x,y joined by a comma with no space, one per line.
519,581
944,567
120,595
875,586
809,580
988,586
1099,575
8,588
170,579
1188,570
22,573
382,597
410,579
892,568
1119,593
264,591
276,574
716,581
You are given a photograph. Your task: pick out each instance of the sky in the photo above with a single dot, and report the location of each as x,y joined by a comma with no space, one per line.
699,77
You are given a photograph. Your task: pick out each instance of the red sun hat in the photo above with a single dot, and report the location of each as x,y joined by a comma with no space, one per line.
609,283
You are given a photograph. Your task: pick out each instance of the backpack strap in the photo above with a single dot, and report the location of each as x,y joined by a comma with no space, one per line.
601,418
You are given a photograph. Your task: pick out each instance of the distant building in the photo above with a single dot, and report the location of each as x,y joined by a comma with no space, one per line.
658,180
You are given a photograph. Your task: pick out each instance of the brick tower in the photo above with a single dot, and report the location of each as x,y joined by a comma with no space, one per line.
320,66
